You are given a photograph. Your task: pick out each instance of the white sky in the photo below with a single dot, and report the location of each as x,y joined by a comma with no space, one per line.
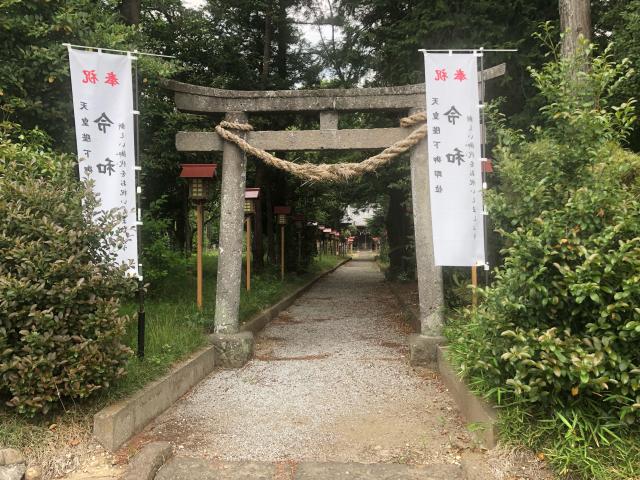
193,3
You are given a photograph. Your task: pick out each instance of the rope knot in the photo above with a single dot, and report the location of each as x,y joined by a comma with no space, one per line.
244,127
414,119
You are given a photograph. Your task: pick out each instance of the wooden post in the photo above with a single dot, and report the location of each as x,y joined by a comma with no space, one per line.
199,216
474,282
282,252
229,279
248,256
299,249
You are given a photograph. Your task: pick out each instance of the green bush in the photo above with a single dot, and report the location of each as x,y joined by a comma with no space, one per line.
562,319
560,327
60,328
159,258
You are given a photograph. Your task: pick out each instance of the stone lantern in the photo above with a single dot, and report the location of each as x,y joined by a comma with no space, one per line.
251,196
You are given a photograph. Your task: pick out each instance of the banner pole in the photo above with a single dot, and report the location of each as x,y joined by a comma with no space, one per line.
125,52
474,282
136,126
483,153
281,252
248,255
199,216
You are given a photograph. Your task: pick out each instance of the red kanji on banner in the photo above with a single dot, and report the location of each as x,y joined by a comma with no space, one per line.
89,76
441,74
112,79
460,75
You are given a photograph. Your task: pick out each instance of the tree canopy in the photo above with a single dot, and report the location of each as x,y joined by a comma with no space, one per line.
266,45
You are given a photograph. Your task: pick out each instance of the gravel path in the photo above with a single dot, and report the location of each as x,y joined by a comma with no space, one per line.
330,381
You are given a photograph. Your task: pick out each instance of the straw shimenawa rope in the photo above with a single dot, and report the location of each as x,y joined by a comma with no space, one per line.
338,172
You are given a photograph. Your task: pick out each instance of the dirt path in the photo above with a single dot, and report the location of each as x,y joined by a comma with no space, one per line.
330,381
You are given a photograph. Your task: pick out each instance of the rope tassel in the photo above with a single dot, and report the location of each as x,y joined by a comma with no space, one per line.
337,172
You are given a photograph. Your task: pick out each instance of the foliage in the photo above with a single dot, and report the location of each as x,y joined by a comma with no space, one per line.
60,330
578,119
562,320
559,330
35,90
159,258
619,21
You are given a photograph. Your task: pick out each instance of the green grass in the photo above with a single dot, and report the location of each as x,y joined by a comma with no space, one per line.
174,329
582,442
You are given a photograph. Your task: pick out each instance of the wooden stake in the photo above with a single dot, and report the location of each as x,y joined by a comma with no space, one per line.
282,252
199,215
248,255
474,282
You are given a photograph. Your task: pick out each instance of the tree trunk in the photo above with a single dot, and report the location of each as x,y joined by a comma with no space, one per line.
266,53
283,36
575,22
395,234
261,174
258,245
130,11
188,231
271,240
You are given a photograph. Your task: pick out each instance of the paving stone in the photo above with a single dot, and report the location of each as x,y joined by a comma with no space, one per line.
380,471
33,473
197,469
10,456
12,472
475,467
147,461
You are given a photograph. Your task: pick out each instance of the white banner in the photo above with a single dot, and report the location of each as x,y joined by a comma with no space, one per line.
103,109
455,164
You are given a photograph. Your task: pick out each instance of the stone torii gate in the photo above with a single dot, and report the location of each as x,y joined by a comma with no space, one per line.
234,348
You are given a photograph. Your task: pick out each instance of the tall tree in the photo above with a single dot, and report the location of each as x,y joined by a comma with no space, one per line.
130,11
575,22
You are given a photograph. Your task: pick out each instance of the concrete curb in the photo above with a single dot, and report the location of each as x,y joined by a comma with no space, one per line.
148,461
117,423
260,320
475,410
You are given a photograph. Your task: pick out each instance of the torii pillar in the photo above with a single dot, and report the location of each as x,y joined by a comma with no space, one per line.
423,347
232,347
